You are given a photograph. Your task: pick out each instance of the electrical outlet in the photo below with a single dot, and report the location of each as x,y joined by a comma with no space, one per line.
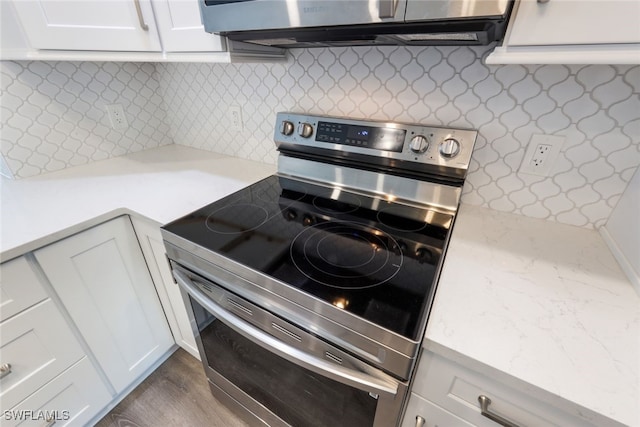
542,152
117,117
235,115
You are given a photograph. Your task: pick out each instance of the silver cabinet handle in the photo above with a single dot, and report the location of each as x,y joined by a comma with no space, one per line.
419,421
484,410
387,8
143,25
543,1
5,369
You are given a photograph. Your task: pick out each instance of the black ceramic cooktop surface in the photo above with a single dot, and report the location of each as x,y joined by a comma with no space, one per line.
371,257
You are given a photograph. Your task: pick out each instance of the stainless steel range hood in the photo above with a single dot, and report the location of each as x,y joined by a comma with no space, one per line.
321,23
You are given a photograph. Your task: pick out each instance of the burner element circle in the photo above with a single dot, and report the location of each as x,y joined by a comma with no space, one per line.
236,218
326,251
346,255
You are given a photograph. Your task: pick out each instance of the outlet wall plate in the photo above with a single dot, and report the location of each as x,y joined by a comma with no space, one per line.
542,152
235,116
117,116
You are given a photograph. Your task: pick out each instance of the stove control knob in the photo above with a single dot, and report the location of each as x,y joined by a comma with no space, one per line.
419,144
286,128
423,255
305,130
449,148
291,214
307,220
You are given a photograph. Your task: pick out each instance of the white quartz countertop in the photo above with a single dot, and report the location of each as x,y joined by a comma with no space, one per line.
540,301
545,303
161,184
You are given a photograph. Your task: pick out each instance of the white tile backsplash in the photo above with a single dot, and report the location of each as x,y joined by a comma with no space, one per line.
53,115
596,108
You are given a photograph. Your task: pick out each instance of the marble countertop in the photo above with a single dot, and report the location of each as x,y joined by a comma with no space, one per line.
539,301
161,184
545,303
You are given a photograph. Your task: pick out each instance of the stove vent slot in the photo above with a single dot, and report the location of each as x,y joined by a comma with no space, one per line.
240,307
286,332
333,357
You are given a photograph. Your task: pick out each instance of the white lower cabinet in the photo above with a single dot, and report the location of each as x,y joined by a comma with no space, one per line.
37,344
153,249
71,399
46,375
446,393
101,278
80,323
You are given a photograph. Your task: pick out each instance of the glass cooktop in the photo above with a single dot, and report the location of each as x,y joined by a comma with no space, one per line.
371,257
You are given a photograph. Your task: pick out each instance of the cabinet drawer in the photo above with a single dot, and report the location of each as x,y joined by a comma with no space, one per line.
38,345
456,389
71,399
19,288
433,415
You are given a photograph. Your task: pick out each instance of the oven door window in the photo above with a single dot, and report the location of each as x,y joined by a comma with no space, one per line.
296,395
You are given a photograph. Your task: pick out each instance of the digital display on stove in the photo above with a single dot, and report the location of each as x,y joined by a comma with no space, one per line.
377,138
361,133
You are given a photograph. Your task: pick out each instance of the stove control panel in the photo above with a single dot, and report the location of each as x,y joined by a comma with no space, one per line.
444,149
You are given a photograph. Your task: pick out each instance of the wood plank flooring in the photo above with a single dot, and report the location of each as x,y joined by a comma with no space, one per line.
176,394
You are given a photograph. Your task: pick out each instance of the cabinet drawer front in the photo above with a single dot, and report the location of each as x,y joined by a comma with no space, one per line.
456,389
433,415
38,345
71,399
19,288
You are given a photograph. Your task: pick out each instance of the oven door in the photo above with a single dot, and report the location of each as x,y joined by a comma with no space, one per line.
285,376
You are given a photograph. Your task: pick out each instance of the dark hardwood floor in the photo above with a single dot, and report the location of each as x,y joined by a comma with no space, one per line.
176,394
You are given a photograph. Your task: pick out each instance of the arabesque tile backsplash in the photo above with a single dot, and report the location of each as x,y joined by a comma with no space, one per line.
596,108
53,113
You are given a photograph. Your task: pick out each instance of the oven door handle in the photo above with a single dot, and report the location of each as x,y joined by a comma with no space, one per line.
350,377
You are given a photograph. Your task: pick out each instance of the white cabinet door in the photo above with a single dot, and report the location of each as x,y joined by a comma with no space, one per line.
575,22
102,280
181,28
94,25
153,249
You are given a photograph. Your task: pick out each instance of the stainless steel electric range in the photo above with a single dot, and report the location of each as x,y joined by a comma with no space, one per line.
309,291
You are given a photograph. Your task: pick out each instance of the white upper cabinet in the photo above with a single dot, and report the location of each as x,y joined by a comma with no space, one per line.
560,22
115,30
572,32
95,25
181,28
